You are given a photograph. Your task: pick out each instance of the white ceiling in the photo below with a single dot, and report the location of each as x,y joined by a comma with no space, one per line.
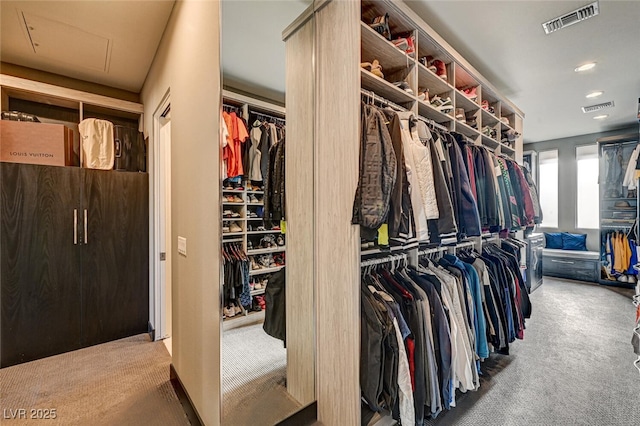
504,40
106,42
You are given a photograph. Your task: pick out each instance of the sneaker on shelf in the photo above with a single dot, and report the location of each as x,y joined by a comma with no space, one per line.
486,130
373,67
275,228
471,93
228,311
234,227
253,199
235,214
460,115
404,86
406,44
443,105
260,228
485,105
225,229
237,199
381,25
423,94
249,244
257,285
280,240
252,285
253,215
505,120
472,122
237,309
441,69
227,213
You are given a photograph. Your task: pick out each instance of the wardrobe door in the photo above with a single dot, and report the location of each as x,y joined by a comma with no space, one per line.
115,255
39,262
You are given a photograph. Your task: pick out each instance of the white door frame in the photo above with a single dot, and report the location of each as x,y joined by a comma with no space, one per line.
157,296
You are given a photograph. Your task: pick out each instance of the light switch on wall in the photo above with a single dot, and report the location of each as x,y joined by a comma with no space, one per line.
182,246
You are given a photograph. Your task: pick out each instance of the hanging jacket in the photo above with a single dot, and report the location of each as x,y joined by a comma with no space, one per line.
399,204
533,190
445,225
469,221
378,168
274,188
275,315
255,155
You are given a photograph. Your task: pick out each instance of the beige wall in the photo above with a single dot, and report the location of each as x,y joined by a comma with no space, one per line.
187,63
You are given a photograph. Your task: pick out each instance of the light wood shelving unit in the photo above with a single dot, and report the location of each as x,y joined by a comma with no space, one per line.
246,105
324,89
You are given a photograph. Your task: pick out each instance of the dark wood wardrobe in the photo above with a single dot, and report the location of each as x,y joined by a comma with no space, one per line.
74,258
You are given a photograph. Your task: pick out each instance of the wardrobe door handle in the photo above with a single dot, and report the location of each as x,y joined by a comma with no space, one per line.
75,226
85,226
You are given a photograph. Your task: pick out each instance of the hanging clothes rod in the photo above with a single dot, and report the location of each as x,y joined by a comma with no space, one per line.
381,260
431,251
269,116
464,244
432,123
382,100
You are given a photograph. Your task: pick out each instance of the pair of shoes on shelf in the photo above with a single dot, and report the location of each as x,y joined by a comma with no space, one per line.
470,93
381,25
230,214
404,86
485,106
436,66
490,132
443,105
505,120
406,44
234,227
460,115
231,310
253,199
232,199
280,240
373,67
423,94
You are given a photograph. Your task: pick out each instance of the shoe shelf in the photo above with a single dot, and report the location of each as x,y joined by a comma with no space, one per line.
490,142
385,89
232,203
397,65
489,119
262,271
232,234
426,110
467,130
266,250
462,101
504,127
255,192
506,149
428,79
233,191
255,204
270,231
257,292
374,46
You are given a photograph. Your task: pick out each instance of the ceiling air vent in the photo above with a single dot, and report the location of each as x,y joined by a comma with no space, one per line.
598,107
578,15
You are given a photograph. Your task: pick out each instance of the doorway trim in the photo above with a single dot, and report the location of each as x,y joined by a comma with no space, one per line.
157,296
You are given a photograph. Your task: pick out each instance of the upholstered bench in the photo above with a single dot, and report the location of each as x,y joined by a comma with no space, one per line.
573,264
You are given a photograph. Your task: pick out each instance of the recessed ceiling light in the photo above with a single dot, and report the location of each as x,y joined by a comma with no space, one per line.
600,117
594,94
585,67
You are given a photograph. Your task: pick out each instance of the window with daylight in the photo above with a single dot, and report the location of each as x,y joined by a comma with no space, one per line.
548,168
588,200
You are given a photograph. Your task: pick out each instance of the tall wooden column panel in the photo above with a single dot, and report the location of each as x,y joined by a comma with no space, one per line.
337,242
300,216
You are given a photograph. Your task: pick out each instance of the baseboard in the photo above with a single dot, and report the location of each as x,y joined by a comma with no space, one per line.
308,415
184,399
151,331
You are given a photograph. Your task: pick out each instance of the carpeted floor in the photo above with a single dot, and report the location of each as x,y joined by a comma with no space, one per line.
574,366
254,378
125,382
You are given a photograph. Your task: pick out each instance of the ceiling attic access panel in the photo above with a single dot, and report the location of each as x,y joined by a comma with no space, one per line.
66,43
